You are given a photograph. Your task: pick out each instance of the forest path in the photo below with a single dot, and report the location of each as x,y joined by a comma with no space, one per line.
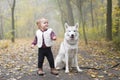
19,62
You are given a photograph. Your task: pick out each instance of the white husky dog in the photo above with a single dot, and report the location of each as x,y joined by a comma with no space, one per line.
67,56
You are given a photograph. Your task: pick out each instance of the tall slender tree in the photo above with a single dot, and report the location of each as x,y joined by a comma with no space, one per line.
109,20
91,5
70,13
1,25
62,12
13,21
79,4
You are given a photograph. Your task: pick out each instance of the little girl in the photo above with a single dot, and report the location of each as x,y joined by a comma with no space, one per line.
44,39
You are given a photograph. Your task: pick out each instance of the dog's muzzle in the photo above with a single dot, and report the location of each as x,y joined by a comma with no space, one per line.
72,36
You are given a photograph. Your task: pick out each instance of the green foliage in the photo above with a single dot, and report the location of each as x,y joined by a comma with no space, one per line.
116,42
96,33
4,44
8,35
116,21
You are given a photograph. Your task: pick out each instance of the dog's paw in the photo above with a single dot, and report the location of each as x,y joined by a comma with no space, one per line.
66,71
58,68
80,70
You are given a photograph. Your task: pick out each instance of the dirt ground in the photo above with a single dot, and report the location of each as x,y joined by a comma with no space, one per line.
21,64
89,73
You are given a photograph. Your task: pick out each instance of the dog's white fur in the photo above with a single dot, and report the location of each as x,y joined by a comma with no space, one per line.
67,56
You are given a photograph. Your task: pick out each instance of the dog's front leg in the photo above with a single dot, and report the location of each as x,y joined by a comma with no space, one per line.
66,62
76,63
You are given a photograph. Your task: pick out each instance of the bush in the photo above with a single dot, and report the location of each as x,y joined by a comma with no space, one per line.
116,43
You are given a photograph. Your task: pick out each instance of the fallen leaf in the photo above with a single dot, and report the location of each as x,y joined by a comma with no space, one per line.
101,76
93,76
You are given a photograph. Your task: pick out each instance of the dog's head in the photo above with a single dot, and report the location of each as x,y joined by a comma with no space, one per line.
71,32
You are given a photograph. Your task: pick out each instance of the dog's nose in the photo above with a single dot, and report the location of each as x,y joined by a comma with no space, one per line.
72,36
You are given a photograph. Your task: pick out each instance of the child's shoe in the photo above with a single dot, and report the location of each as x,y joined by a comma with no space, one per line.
40,72
54,71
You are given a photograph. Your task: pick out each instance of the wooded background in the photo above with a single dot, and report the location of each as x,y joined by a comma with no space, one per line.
98,19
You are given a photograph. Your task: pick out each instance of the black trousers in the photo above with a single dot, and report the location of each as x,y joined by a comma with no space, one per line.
45,52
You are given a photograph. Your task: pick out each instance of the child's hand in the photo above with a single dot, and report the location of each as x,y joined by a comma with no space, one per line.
54,38
32,46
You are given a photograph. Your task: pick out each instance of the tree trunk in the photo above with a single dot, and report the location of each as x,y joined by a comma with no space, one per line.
79,5
63,17
1,25
13,22
92,13
109,21
70,13
83,24
1,28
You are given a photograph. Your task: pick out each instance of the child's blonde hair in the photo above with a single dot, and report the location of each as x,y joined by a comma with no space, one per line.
39,21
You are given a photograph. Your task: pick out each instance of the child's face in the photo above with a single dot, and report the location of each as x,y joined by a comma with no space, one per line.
43,24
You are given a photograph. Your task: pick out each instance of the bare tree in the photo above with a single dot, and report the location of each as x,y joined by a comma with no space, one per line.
91,3
109,20
70,13
1,25
12,6
62,12
66,12
79,4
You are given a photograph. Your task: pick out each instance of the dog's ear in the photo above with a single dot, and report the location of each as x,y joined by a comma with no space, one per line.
66,25
77,25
